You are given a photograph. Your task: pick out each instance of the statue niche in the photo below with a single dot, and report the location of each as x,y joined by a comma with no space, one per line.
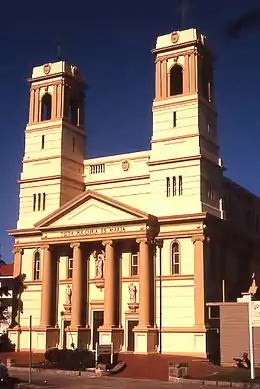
68,296
132,305
99,258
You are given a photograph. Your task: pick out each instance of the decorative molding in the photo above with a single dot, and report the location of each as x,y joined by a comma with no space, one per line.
200,238
18,250
133,307
143,240
46,69
108,242
125,165
75,245
174,37
99,282
46,247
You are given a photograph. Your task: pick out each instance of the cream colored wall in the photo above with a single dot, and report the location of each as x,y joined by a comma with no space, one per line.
189,202
184,343
113,166
28,263
177,294
186,123
186,248
56,68
177,303
27,217
31,299
184,36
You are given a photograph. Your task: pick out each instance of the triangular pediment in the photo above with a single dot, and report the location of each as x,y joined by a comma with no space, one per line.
91,208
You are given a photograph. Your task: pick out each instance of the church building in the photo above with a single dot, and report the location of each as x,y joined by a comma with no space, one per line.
128,249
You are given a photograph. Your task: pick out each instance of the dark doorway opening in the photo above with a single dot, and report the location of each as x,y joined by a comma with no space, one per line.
98,320
66,324
130,334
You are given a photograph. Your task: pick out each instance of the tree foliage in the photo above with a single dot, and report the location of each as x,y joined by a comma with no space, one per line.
17,287
17,306
245,22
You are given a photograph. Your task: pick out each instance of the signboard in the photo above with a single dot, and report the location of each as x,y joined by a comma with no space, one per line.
104,349
255,311
92,231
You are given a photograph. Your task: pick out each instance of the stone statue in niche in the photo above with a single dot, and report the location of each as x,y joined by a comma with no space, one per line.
132,293
99,262
68,295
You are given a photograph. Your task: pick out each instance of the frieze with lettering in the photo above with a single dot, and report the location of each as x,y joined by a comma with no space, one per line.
92,231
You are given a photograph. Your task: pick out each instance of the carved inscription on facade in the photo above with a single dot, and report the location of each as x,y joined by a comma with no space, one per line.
92,231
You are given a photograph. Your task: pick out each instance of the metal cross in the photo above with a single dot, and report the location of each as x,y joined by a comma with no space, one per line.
184,10
59,49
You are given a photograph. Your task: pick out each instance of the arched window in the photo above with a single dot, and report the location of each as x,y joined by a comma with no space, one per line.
46,107
175,265
176,80
37,266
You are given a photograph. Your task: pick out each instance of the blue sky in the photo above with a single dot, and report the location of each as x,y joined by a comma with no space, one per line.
111,43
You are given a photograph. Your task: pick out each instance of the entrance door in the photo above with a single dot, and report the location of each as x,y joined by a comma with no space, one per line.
130,334
98,320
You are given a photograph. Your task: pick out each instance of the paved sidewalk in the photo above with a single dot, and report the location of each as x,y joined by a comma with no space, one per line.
50,380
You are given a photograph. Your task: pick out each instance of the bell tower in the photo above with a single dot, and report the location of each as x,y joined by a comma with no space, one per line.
184,139
52,170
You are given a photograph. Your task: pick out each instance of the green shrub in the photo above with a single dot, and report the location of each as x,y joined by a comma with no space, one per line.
71,359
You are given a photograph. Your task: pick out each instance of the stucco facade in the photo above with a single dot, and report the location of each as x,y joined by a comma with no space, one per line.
128,248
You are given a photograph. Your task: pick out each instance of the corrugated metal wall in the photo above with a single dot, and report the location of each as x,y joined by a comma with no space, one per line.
234,333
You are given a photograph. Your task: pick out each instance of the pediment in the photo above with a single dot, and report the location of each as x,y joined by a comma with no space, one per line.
91,208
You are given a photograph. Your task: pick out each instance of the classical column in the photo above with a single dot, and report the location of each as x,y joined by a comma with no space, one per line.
18,253
110,287
158,80
48,279
164,79
54,102
31,110
186,75
37,105
145,283
78,310
199,290
192,71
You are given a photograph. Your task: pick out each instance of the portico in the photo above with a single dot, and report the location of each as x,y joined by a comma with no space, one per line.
84,245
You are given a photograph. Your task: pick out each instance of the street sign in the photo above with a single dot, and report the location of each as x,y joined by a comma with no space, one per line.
255,311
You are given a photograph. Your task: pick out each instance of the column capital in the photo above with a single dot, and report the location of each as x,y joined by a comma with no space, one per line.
108,242
18,250
47,247
143,240
75,244
200,238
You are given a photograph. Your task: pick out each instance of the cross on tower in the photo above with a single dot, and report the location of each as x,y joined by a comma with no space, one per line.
184,7
59,49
